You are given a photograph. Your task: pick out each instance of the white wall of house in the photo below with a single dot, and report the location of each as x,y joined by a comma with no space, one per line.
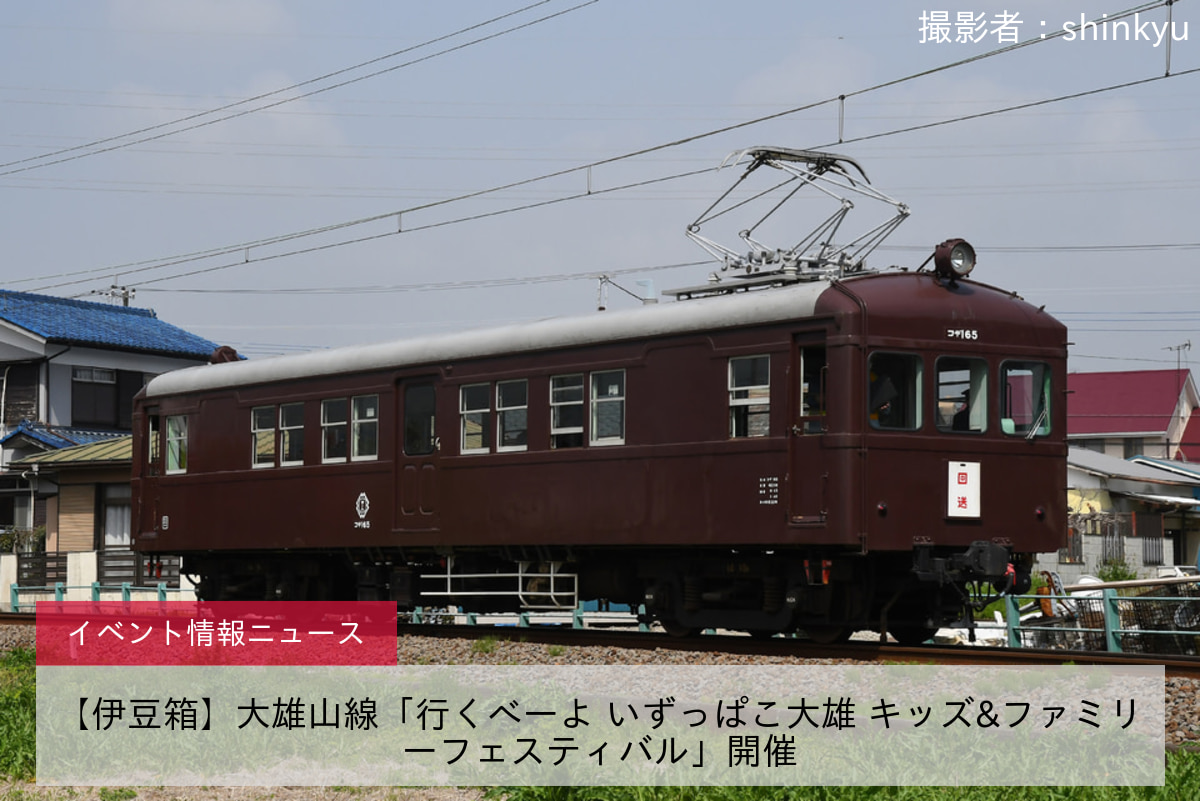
81,573
1092,559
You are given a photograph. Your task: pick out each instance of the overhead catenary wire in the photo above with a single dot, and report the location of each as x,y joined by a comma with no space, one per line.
243,247
147,134
142,267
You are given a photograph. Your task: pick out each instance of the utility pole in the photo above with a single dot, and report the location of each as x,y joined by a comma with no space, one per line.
1179,349
125,293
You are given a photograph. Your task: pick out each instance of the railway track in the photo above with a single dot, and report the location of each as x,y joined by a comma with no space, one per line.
864,651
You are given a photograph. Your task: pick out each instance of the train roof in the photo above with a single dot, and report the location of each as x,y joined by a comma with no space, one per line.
879,292
729,311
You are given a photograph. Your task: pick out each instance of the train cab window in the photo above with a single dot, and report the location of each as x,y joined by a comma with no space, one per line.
750,396
177,443
262,436
333,430
419,427
962,394
364,427
512,415
1025,399
813,372
291,433
894,397
475,408
566,411
608,407
153,444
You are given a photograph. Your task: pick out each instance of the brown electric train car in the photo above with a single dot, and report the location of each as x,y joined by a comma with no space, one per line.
879,450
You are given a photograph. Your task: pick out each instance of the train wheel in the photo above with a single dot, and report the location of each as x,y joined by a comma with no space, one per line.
676,629
911,634
828,634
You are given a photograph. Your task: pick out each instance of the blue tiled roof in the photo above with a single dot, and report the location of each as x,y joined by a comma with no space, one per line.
81,322
60,436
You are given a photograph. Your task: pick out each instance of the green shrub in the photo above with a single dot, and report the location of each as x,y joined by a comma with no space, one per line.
1116,570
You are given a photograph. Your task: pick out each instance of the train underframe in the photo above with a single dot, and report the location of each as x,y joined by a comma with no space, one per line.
823,593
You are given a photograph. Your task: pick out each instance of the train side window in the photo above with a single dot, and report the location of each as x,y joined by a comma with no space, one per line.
750,396
608,407
1025,399
962,394
333,430
262,436
291,433
512,415
475,406
566,411
894,398
419,409
364,427
177,443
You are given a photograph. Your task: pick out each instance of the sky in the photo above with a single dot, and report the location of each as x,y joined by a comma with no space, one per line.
136,136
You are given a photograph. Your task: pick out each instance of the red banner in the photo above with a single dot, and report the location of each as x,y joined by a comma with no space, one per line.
218,633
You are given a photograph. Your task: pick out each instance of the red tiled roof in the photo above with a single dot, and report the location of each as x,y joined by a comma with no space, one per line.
1138,401
1190,446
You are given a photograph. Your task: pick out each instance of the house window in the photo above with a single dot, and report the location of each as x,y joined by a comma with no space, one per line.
177,443
93,396
608,407
961,394
894,398
116,516
512,415
364,424
566,411
262,436
475,408
1134,446
1025,399
291,433
750,396
333,430
419,408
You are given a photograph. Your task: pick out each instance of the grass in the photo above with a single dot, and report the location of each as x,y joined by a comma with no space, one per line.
1182,783
18,713
484,645
117,793
18,742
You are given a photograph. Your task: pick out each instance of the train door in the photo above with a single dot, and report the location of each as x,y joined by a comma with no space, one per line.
417,452
807,464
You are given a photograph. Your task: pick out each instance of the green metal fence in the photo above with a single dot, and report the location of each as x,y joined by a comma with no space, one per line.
59,591
1164,620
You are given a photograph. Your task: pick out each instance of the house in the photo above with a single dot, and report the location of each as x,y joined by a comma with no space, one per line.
1135,413
1138,512
68,372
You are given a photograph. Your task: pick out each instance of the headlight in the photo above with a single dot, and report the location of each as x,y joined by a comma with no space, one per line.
954,258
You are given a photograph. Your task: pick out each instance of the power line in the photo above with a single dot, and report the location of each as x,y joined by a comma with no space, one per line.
95,147
432,286
247,259
245,247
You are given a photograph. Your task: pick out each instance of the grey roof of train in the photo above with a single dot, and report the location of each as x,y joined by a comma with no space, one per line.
729,311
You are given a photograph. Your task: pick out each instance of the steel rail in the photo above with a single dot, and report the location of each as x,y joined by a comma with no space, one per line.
865,651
